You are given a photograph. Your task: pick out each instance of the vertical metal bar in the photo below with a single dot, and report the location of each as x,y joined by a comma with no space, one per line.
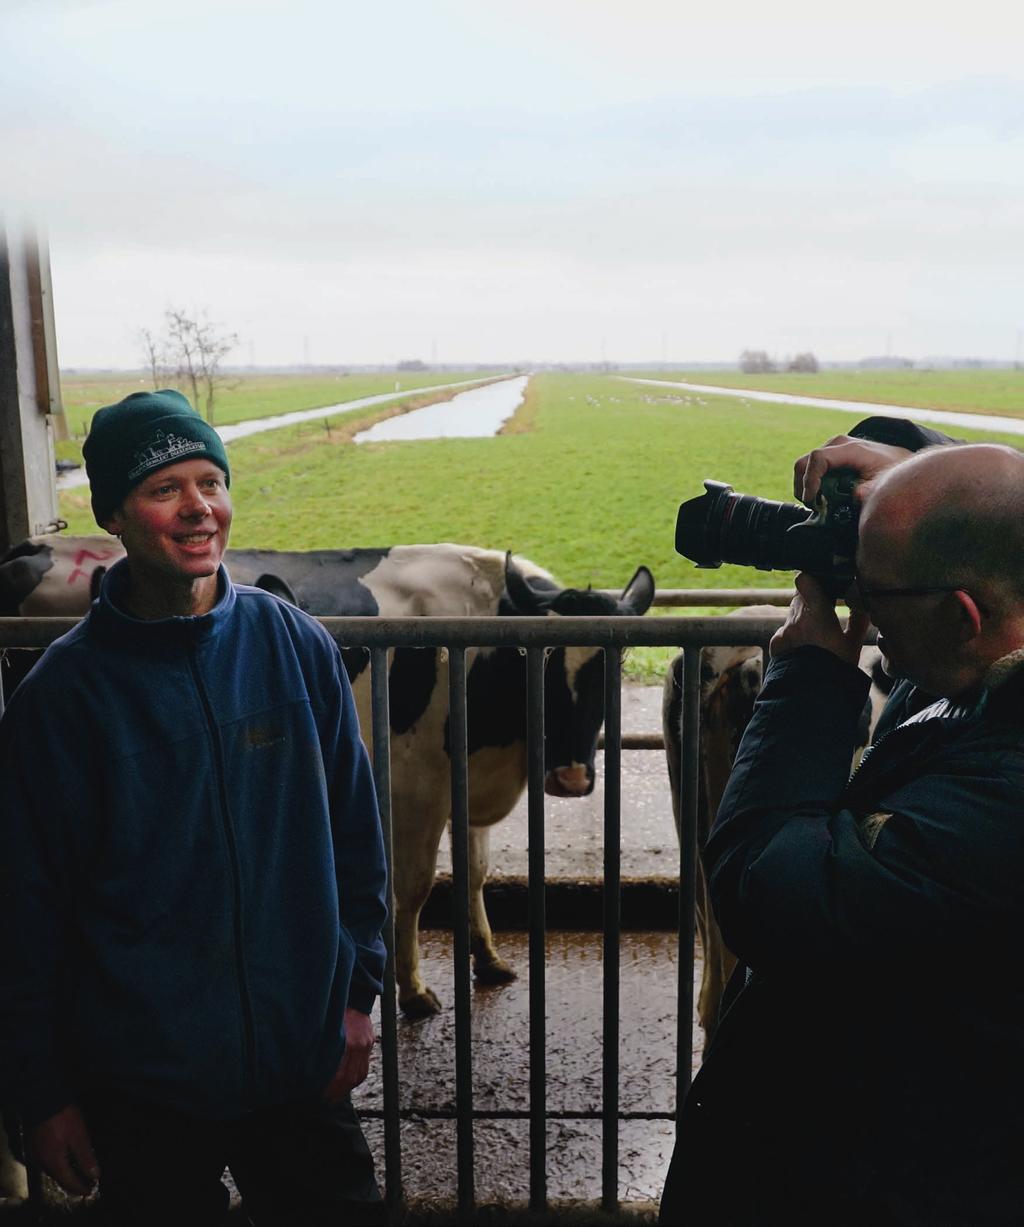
457,739
538,952
388,1020
689,799
33,1172
36,1196
612,920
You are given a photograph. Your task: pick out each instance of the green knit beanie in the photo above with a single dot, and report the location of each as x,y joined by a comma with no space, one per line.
140,434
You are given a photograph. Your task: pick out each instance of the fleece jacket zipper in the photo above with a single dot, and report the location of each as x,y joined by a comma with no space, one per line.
245,1000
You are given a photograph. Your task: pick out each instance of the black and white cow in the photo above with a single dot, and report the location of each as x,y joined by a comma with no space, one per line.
403,581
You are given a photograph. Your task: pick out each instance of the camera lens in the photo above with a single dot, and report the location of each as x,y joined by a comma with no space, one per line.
722,526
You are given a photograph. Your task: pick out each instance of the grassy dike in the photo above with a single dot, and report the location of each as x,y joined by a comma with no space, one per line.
965,391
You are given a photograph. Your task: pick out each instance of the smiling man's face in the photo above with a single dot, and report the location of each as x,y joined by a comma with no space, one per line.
174,525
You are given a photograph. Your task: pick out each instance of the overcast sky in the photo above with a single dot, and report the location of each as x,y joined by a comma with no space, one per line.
547,180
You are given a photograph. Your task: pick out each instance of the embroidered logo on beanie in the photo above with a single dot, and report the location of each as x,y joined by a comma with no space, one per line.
163,449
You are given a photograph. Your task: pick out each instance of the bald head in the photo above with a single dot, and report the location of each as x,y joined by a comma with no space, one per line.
956,515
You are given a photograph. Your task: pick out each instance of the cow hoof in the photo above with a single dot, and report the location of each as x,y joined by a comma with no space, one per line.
498,972
421,1005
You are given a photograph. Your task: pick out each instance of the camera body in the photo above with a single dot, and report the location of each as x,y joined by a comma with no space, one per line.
722,526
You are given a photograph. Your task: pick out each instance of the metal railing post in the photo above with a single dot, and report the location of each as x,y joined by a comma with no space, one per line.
612,922
538,931
458,742
388,1020
689,799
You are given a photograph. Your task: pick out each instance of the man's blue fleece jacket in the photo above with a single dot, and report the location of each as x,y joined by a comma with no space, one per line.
192,874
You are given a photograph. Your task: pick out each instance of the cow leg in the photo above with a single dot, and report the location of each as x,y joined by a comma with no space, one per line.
414,868
730,679
488,965
13,1180
719,963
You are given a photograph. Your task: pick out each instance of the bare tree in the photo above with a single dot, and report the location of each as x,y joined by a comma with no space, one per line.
806,363
196,347
153,353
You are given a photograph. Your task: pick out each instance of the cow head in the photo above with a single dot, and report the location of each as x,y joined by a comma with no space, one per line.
573,677
21,569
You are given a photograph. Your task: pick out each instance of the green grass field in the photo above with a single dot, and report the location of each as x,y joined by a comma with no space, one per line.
590,492
966,391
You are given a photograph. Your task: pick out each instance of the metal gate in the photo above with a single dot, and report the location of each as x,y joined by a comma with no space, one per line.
533,636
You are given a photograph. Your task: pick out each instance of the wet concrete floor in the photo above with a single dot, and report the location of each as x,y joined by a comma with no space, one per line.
500,1022
500,1017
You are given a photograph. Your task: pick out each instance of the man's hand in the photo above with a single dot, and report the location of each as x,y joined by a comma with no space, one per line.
61,1147
812,620
355,1061
869,459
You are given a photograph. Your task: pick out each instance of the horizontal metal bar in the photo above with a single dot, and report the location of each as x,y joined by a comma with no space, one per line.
637,741
511,1114
687,598
33,632
597,632
484,632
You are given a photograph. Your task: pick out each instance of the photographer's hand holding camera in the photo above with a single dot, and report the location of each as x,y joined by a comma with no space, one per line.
812,620
868,1067
867,458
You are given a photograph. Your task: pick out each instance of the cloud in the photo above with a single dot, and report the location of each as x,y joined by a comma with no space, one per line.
518,180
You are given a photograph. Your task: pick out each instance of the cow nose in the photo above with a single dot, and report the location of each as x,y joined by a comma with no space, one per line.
574,781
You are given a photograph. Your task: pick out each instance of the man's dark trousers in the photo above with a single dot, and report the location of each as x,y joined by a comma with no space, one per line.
302,1165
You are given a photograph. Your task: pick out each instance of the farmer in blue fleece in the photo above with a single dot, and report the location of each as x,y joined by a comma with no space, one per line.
868,1066
192,874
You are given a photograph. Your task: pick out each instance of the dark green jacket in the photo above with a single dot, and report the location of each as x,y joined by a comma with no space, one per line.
871,1069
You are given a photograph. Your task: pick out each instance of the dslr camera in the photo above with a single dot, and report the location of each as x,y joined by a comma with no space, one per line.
722,526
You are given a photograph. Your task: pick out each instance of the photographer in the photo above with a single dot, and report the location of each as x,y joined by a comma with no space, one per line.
869,1063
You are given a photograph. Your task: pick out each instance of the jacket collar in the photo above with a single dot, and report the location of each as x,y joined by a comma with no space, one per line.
1005,682
1002,694
108,615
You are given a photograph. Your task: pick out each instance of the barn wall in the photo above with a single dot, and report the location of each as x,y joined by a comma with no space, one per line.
30,405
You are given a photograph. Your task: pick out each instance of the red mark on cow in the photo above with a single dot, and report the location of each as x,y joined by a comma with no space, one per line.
79,571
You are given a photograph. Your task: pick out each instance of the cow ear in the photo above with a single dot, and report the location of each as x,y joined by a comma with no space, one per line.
639,592
277,586
526,599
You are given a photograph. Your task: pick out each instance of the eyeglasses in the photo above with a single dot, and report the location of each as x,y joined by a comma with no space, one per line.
864,596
